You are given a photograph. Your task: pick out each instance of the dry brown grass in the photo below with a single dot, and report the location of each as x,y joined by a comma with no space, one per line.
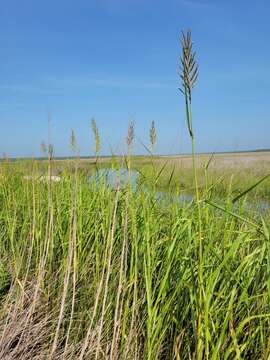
236,161
26,326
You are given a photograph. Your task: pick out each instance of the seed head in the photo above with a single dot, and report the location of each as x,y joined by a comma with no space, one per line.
188,67
43,148
96,136
130,135
153,135
50,151
73,141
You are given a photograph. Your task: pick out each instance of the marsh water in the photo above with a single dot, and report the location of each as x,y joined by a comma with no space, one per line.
122,177
115,178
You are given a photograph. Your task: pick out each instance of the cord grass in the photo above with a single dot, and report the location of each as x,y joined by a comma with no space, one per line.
94,271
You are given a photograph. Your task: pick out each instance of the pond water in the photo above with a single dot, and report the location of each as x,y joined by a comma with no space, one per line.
182,198
121,177
114,178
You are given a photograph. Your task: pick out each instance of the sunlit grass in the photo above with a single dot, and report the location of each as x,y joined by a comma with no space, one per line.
94,271
116,271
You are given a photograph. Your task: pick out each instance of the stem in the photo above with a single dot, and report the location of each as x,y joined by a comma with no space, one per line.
200,254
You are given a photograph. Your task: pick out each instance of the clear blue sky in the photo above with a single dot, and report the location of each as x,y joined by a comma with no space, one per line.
117,60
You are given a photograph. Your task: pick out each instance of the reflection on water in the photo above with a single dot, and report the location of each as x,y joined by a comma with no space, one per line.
182,198
115,177
121,177
259,206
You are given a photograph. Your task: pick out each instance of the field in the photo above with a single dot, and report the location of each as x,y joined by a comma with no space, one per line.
94,272
234,172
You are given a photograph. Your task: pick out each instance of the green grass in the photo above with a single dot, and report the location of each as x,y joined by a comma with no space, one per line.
114,274
92,272
220,181
172,175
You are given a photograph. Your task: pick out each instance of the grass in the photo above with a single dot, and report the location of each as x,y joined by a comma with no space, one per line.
227,174
222,180
88,271
115,273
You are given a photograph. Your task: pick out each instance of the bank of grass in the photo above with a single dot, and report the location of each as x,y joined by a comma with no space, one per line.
173,174
220,181
90,272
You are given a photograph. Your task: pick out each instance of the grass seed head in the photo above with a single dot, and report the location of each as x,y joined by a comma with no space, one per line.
50,151
131,134
73,141
153,135
43,148
189,67
95,132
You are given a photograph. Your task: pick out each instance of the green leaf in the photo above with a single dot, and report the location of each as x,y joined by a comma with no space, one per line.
250,188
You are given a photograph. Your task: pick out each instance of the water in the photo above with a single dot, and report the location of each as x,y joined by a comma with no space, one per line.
115,178
260,207
121,177
181,199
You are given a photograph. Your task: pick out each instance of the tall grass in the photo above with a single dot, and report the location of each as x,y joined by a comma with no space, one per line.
189,75
114,274
89,271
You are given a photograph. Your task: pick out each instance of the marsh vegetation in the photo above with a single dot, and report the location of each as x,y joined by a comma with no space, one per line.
93,271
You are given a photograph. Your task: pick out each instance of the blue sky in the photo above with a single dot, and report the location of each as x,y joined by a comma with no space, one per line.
117,60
